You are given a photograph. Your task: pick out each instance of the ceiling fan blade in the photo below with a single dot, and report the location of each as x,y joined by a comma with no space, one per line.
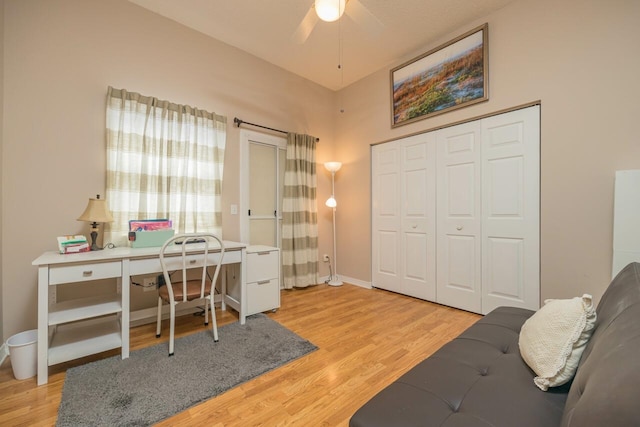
306,26
361,15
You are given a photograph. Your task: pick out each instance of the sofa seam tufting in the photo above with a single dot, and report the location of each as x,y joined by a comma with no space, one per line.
475,368
498,325
485,342
471,385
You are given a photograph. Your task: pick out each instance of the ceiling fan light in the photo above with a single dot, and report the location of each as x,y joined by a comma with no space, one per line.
329,10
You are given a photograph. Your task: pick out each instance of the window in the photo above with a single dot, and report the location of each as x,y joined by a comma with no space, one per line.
164,160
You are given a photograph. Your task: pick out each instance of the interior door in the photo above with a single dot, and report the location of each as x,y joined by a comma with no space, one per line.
418,223
511,210
262,163
385,209
263,194
459,217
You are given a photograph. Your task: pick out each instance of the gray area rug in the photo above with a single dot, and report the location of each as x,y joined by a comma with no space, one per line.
149,386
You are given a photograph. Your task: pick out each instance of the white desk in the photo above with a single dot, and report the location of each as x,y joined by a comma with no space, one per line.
84,326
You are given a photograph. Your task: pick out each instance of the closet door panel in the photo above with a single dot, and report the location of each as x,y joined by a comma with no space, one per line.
386,235
459,216
418,216
504,259
462,262
511,217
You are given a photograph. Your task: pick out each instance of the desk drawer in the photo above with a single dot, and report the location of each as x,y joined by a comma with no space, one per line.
152,265
262,266
83,273
263,296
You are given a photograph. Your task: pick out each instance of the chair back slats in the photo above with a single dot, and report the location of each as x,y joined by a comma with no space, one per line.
194,253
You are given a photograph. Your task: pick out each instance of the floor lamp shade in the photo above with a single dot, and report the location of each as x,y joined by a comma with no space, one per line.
331,202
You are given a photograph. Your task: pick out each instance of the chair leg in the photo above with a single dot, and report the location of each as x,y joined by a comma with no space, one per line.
213,320
159,321
172,324
206,311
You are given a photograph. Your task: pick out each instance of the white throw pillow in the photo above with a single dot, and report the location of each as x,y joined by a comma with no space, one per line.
553,339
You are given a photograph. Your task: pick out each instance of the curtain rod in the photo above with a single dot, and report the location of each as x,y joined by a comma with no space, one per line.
239,122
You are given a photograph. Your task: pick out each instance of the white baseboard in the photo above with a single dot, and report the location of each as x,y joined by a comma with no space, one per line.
350,280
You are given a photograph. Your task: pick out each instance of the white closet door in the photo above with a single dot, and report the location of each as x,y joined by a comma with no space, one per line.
418,180
385,189
459,216
511,210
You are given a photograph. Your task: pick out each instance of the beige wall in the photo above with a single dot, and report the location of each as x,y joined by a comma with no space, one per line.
580,58
60,56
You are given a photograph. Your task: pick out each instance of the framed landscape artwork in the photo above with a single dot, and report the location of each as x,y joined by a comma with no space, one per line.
451,76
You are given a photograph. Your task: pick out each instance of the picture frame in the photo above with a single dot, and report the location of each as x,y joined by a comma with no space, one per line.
451,76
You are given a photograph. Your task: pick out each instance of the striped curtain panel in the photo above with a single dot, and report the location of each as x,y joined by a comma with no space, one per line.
300,213
164,160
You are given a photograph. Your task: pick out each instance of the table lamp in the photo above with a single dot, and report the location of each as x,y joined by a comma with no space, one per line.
96,211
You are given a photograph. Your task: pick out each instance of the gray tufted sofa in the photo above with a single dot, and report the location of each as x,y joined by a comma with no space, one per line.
479,378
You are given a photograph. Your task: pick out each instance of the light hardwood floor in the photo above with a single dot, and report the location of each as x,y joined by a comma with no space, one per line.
366,339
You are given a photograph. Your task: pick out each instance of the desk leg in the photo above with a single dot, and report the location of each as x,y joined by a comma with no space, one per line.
43,324
125,290
243,287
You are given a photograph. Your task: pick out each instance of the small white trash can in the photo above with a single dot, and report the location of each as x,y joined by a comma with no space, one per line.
23,352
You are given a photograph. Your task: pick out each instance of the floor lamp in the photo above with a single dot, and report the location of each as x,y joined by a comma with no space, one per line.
333,167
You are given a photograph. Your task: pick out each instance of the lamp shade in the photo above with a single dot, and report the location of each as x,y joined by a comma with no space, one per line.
329,10
333,166
96,211
331,202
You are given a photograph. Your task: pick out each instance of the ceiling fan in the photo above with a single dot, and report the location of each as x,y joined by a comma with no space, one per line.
332,10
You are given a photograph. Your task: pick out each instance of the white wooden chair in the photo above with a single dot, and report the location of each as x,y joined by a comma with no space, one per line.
188,287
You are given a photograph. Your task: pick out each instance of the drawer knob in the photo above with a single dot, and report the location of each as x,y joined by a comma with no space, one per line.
263,282
264,253
193,261
459,228
87,273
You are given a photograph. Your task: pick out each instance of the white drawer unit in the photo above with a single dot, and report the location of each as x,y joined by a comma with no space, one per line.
263,279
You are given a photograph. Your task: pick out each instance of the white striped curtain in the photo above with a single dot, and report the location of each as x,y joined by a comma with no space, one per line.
164,160
300,213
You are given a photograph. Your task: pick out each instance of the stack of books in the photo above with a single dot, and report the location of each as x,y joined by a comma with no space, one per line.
73,244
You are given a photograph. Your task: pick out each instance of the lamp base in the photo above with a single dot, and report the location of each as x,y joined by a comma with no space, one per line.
334,282
94,237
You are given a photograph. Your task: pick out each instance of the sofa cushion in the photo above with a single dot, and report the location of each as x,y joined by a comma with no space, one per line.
553,339
478,379
605,389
